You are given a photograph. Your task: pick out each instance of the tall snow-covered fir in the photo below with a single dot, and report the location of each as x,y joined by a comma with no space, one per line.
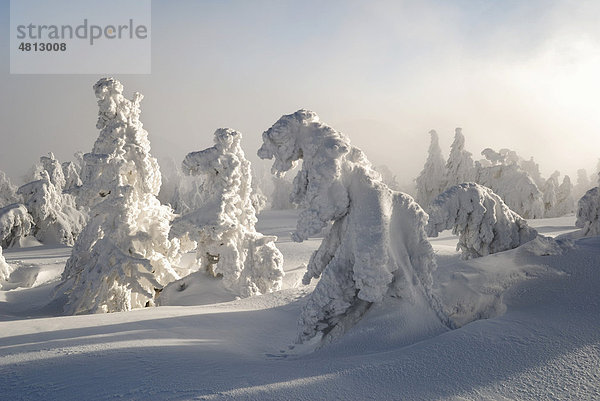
432,179
124,256
460,167
223,227
376,244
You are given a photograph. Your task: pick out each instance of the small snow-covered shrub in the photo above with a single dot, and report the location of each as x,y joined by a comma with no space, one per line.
15,224
124,257
376,245
223,227
480,218
5,268
588,212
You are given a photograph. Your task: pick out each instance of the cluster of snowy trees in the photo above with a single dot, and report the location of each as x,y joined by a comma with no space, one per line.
517,181
128,234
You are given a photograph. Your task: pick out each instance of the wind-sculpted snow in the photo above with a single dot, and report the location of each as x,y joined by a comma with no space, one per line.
588,212
123,258
480,218
15,224
223,227
375,245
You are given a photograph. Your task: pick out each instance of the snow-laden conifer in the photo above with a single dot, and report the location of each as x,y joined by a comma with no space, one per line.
482,221
375,244
124,256
228,245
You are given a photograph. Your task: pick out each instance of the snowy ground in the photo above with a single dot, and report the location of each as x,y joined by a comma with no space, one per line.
539,339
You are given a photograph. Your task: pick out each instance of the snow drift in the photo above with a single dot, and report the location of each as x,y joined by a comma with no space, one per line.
123,258
375,245
223,227
480,218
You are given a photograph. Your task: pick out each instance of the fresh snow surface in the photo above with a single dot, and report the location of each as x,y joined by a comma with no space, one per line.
539,339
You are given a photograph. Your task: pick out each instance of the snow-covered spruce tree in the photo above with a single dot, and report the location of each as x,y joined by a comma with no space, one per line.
72,179
432,180
15,224
223,228
376,246
549,194
124,256
515,187
482,221
588,212
460,167
259,200
565,203
55,215
8,192
5,268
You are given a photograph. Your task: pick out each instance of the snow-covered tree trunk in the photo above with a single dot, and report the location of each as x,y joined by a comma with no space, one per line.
376,246
124,257
432,180
482,221
460,167
223,228
15,224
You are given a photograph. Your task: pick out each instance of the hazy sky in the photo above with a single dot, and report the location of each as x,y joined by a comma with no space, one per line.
518,74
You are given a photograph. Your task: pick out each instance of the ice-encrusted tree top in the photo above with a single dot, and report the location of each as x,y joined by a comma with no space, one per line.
123,257
480,218
223,226
121,154
460,167
432,180
376,245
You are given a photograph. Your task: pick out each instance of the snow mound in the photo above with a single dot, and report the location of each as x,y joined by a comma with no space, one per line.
376,244
483,222
15,224
224,227
123,258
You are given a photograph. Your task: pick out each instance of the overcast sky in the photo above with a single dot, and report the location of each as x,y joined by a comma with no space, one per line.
517,74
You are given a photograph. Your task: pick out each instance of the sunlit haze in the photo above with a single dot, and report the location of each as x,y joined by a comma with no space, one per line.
512,74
